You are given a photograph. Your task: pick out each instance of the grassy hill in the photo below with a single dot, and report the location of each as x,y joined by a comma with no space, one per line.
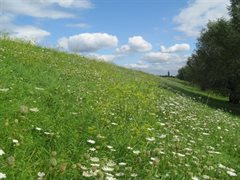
74,118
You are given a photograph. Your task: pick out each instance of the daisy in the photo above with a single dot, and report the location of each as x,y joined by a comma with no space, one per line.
41,174
91,141
136,152
230,173
2,176
87,174
195,178
122,164
34,109
119,174
134,175
95,165
151,139
94,159
130,148
1,152
4,89
107,169
92,149
111,164
15,142
109,147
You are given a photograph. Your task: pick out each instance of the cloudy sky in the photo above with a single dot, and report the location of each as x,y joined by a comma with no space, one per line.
155,36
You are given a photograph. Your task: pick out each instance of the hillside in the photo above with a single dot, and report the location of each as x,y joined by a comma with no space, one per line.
74,118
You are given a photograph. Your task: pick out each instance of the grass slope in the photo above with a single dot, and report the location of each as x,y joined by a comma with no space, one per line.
74,118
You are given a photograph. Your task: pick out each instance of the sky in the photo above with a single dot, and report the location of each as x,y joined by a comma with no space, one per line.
154,36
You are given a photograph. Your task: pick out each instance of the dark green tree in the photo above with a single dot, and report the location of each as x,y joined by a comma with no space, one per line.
216,61
234,12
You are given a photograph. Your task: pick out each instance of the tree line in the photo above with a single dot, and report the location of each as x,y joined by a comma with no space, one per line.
215,63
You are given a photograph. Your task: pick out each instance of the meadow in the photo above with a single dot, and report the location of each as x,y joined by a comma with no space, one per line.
63,116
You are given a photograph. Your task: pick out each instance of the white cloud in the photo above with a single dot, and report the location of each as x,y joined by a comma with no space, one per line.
43,8
62,43
34,8
102,57
30,33
175,48
53,9
86,4
194,17
158,69
160,62
160,57
88,42
135,44
79,25
140,65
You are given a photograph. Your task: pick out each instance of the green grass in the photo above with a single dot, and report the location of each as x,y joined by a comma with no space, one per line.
178,134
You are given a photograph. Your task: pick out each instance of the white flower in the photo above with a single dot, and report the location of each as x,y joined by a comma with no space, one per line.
222,166
136,152
94,159
1,152
83,168
91,141
134,175
34,109
130,148
214,152
95,165
151,139
206,177
162,136
119,174
47,133
180,155
150,129
122,164
110,178
41,174
153,159
2,176
111,164
15,141
38,129
230,173
92,149
99,136
195,178
107,169
40,89
109,147
87,174
4,90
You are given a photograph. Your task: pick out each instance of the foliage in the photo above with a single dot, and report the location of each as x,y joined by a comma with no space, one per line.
216,61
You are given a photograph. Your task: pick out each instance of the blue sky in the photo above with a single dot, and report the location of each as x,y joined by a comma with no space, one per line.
154,36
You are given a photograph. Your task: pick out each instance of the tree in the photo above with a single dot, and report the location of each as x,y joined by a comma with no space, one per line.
234,12
216,61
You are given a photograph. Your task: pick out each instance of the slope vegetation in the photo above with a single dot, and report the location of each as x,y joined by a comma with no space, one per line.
63,116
